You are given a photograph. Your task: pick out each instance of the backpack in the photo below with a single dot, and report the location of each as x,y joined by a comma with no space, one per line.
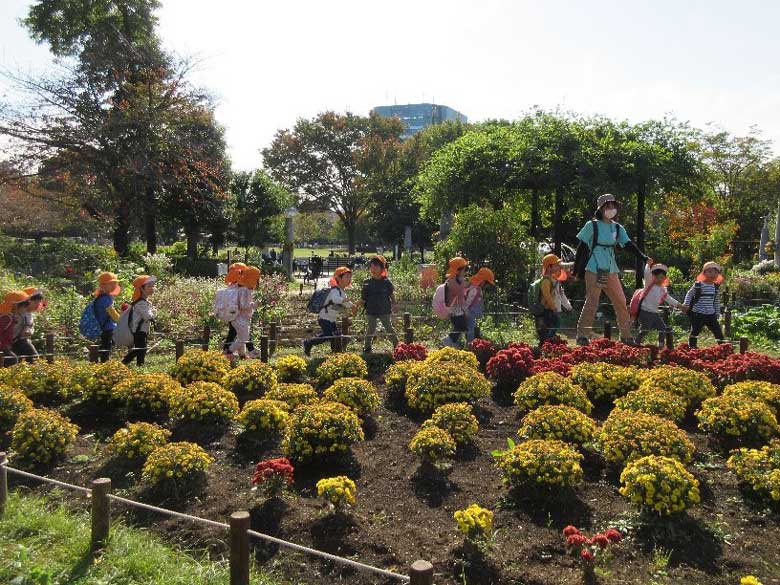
535,307
317,301
6,331
89,326
123,336
439,302
636,301
697,292
226,304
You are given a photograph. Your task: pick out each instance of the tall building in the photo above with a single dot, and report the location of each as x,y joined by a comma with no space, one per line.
417,116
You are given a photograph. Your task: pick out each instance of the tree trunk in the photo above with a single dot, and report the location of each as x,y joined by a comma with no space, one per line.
350,226
558,221
122,228
534,230
640,231
193,236
150,230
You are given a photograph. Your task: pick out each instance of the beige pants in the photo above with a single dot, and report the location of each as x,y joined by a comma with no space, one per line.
614,290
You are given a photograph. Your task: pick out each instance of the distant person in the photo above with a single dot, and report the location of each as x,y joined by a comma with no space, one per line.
552,297
141,319
105,313
247,283
455,299
378,301
23,346
12,311
473,300
649,300
231,280
335,304
703,298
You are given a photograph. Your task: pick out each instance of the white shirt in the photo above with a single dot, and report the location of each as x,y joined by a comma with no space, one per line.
143,313
652,299
335,303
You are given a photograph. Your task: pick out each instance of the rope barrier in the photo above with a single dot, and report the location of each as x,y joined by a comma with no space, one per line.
166,512
62,484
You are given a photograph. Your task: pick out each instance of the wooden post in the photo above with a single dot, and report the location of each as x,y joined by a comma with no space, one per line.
264,349
669,339
206,337
607,330
727,323
407,321
179,349
239,548
300,292
421,573
274,335
653,353
408,335
744,345
50,347
101,512
3,483
344,341
93,353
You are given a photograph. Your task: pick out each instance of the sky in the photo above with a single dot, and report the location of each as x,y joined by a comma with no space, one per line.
270,62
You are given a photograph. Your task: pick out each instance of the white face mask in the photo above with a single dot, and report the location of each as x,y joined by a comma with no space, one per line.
610,213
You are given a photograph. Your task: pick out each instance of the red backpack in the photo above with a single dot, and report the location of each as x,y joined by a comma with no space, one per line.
7,323
636,300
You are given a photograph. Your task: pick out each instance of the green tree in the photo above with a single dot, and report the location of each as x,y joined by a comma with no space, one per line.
255,200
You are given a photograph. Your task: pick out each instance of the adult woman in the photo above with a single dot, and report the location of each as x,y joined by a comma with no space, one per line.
595,262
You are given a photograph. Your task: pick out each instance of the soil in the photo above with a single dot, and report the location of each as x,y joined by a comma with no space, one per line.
404,514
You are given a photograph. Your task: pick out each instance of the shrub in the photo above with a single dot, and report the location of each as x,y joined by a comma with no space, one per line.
397,375
659,484
475,522
293,394
360,395
41,436
484,350
176,466
261,418
433,445
458,420
184,306
540,463
604,382
509,367
410,351
147,395
273,476
339,492
290,369
627,435
459,357
100,387
41,382
550,388
13,402
321,429
737,417
429,387
560,422
136,441
652,401
759,468
691,386
341,365
254,378
766,392
205,402
197,365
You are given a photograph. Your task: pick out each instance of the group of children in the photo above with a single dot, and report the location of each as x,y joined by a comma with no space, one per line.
463,300
17,323
241,281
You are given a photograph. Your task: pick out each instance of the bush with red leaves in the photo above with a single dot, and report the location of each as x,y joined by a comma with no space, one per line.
558,365
484,350
738,367
273,476
587,549
410,351
511,366
683,355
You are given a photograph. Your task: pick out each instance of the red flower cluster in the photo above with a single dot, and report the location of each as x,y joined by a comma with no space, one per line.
684,355
738,367
484,350
511,366
588,547
558,365
273,475
410,351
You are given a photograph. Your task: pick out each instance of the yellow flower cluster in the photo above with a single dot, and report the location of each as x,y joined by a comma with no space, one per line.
659,484
558,422
12,403
100,387
459,357
457,419
137,440
692,386
253,378
653,401
749,580
433,445
340,491
264,418
290,368
627,435
550,388
397,375
737,416
759,468
176,463
766,392
293,394
321,429
205,402
540,463
41,435
197,365
146,395
475,522
341,365
360,395
429,387
604,382
42,382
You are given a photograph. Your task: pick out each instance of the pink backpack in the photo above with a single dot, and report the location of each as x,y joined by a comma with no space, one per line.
439,303
636,300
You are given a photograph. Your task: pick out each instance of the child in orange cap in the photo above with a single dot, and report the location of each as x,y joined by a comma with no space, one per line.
335,304
247,283
552,297
25,327
704,303
231,280
650,300
143,314
105,313
455,299
378,301
12,310
473,300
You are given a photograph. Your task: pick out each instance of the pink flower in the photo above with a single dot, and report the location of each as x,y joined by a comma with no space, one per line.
600,540
569,530
587,556
613,535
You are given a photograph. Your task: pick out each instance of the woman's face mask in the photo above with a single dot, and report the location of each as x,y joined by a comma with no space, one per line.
610,213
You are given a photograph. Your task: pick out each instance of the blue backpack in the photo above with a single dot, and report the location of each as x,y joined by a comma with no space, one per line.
317,301
89,326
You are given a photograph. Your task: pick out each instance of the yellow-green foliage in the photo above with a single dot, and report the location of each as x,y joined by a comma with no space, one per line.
653,401
41,382
475,522
176,464
558,422
737,416
341,365
263,418
136,441
290,369
690,385
451,355
41,436
759,468
433,445
205,402
397,375
360,395
604,382
340,491
429,387
540,463
457,419
197,365
100,387
293,394
628,435
659,484
321,429
766,392
254,378
550,388
13,402
146,395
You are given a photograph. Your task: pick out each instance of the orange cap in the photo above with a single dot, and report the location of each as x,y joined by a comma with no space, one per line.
108,278
483,275
139,282
718,279
234,272
250,276
340,271
456,264
12,298
548,262
381,259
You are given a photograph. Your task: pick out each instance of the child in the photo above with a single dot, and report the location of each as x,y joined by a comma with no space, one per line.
651,298
12,311
105,313
247,283
23,346
552,297
231,280
335,304
473,300
143,315
704,303
455,299
378,300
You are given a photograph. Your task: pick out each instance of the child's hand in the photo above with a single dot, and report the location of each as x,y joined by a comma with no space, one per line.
685,308
394,308
650,261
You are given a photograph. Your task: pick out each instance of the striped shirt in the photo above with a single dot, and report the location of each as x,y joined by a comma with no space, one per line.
709,301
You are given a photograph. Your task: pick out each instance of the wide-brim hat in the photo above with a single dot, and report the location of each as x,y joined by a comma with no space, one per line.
707,265
483,275
109,278
551,260
606,198
250,276
11,299
456,264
